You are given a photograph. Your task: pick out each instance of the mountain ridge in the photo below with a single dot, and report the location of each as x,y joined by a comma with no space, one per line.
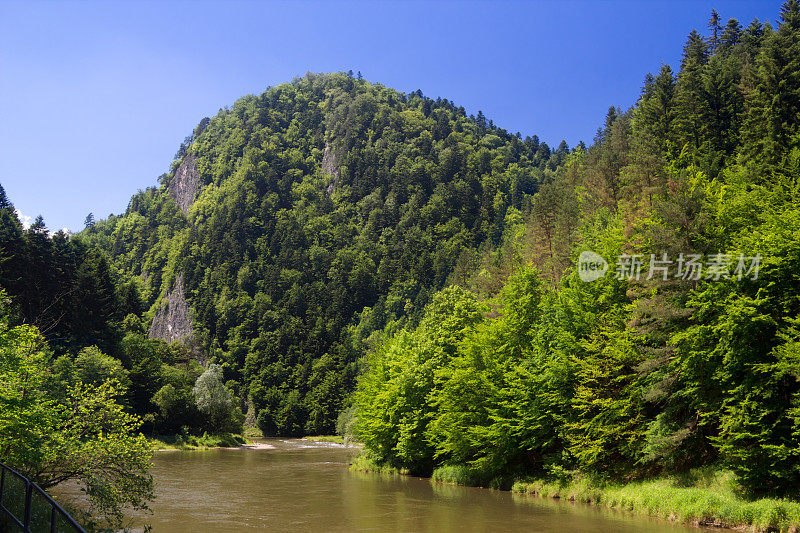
320,208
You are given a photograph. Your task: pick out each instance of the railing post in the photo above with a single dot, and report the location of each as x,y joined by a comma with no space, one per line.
28,494
53,516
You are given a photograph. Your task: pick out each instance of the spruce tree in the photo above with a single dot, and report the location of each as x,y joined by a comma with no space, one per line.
654,141
5,203
731,36
715,28
773,118
689,97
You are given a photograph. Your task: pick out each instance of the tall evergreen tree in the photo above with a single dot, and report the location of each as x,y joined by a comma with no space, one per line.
5,203
773,116
690,102
731,36
653,135
715,28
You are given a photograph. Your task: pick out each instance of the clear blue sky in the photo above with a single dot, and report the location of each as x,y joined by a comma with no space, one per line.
96,97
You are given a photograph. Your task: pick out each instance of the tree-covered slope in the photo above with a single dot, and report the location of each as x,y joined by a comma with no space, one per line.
299,221
666,369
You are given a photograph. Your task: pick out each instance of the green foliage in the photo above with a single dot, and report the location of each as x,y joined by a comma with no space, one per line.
345,425
215,401
402,383
329,208
185,441
623,379
93,367
83,435
350,237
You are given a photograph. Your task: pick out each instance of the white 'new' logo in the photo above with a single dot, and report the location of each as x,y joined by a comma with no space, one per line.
591,266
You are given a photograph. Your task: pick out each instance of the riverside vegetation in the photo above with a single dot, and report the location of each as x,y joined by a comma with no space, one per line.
621,391
335,254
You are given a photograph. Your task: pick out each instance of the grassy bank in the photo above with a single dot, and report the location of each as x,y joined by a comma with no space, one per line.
193,442
710,500
364,463
338,439
252,432
703,497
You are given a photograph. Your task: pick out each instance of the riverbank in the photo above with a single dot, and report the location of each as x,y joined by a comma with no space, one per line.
707,498
203,442
335,439
713,504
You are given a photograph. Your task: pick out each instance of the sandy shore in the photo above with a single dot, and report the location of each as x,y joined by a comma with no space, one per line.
253,446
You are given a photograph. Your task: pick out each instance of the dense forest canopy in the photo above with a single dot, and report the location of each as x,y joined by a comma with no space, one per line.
332,235
629,375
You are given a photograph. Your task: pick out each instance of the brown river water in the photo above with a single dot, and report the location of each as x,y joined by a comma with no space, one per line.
306,486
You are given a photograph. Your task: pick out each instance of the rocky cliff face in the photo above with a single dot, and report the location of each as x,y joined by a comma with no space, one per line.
185,183
173,321
330,165
330,162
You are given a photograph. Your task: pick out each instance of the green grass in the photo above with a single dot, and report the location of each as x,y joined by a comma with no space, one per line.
252,432
470,476
456,475
326,438
192,442
711,500
363,462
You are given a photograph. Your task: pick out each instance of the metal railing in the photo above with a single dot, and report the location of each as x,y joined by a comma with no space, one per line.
26,508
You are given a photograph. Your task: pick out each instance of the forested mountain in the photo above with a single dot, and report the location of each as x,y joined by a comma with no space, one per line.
332,228
658,366
299,221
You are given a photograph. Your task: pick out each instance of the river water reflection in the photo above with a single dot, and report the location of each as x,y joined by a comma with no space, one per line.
305,486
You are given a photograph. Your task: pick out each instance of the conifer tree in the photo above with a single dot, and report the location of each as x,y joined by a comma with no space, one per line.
653,135
773,118
715,28
731,36
5,203
689,95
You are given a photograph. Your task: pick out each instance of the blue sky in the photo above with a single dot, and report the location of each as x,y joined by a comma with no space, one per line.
96,97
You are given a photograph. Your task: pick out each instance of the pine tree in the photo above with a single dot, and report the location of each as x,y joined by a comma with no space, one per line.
5,203
481,121
731,36
790,15
38,226
653,135
723,110
607,157
715,28
773,118
12,247
689,97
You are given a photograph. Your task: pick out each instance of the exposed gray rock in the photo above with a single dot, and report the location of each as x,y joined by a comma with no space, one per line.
173,321
330,165
330,162
184,184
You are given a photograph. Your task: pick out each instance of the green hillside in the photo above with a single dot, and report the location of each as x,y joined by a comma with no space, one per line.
300,221
660,369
